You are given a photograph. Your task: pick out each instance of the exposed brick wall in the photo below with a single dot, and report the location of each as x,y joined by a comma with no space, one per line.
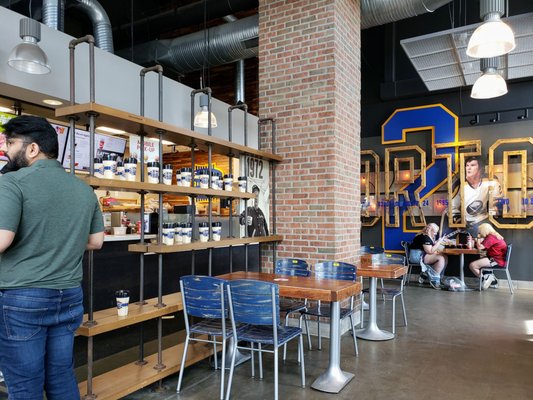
309,81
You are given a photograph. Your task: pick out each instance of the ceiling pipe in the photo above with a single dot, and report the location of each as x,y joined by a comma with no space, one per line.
101,25
239,70
227,43
238,40
54,14
380,12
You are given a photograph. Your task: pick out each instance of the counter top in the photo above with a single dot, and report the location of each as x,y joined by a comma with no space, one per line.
123,238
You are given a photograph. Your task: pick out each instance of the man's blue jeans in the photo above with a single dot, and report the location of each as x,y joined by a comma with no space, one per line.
36,340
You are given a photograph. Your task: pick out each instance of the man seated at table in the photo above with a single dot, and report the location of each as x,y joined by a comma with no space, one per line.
425,250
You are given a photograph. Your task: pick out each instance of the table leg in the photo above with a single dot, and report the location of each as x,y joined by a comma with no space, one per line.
239,357
333,379
372,331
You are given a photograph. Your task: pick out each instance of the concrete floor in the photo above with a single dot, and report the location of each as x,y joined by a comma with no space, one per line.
457,346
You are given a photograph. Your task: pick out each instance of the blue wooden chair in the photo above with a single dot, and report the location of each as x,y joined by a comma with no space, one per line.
205,297
497,269
372,250
291,267
331,270
256,304
390,293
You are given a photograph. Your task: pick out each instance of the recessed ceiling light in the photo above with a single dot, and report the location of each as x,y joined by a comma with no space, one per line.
52,102
7,110
110,130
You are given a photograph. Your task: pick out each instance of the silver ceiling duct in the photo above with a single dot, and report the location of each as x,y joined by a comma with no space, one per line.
227,43
53,16
238,40
101,24
380,12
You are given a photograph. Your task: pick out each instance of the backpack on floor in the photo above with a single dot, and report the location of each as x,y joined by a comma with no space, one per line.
453,284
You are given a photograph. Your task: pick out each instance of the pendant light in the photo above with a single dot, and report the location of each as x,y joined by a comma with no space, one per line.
494,37
201,119
28,56
490,84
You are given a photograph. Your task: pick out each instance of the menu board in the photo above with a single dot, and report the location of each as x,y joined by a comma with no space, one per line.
103,144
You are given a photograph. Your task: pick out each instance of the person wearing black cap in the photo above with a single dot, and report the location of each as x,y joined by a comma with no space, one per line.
256,221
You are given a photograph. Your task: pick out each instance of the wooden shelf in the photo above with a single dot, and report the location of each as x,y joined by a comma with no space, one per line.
133,123
128,186
108,320
177,248
132,377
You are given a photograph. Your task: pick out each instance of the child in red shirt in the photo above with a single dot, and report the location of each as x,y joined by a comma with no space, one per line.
496,250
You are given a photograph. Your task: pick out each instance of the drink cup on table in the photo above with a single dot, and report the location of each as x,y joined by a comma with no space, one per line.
123,300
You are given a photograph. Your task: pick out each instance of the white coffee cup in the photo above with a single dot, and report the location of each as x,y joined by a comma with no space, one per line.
123,301
130,169
167,174
153,172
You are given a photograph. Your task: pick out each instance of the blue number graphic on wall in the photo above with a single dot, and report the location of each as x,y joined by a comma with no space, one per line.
443,125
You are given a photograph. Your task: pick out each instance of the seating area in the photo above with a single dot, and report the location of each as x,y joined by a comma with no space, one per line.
252,316
441,336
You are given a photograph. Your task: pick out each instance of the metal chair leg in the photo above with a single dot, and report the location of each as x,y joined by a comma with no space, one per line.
301,357
231,369
509,281
394,315
308,333
215,351
260,357
222,369
404,312
252,360
285,345
183,358
275,372
354,336
362,322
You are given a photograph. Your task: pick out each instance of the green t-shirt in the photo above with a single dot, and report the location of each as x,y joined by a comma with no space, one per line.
52,214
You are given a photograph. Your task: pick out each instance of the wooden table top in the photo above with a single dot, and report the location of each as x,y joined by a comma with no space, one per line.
455,251
382,271
303,287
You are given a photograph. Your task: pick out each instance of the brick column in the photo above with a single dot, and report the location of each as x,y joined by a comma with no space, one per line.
310,82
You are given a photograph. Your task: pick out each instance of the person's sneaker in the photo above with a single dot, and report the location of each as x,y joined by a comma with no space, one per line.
487,280
422,278
435,284
494,283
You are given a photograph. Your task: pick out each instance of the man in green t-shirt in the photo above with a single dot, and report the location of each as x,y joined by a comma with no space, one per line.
48,218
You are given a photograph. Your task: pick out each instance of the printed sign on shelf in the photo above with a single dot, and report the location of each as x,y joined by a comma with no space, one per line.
151,149
257,173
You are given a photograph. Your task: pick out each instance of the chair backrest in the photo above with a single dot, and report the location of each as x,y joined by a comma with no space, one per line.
335,270
372,250
388,259
254,302
292,267
508,255
406,247
204,296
